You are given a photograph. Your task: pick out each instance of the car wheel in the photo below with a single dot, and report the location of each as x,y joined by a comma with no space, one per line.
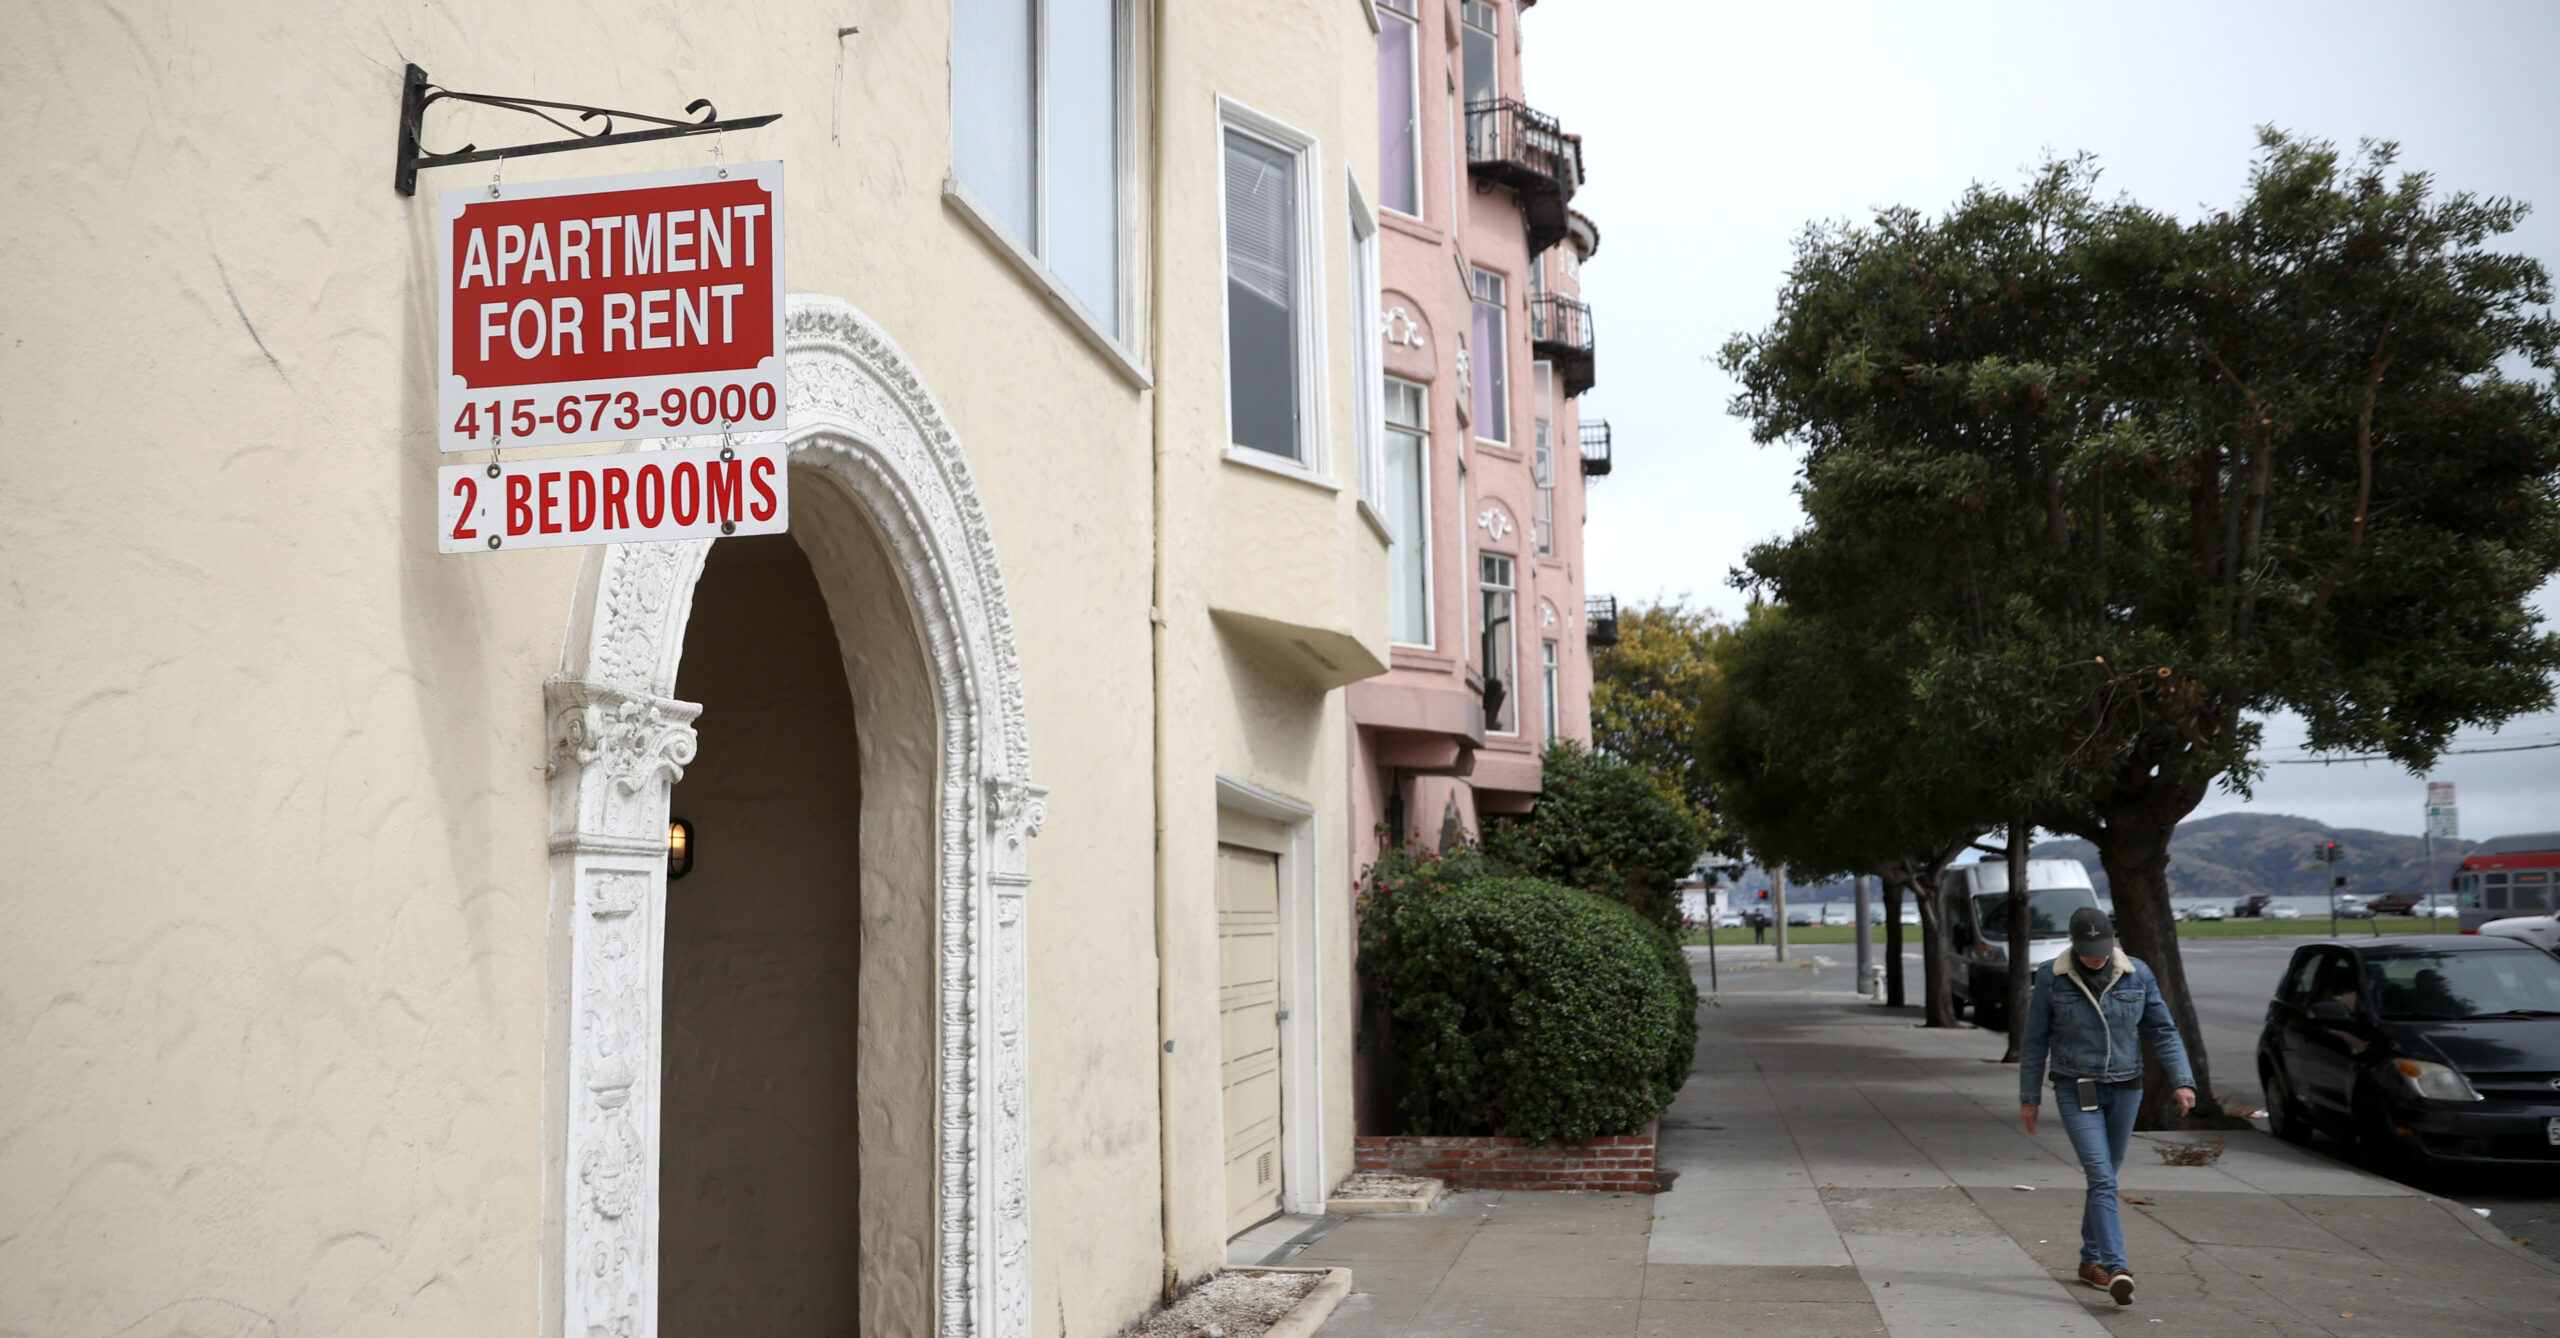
2284,1119
1992,1008
2376,1145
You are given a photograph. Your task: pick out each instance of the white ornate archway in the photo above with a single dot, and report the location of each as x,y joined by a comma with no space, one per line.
620,740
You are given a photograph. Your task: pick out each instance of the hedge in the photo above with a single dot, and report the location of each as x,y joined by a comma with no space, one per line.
1522,1008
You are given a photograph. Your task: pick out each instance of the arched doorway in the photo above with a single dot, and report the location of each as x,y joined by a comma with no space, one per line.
760,1202
887,520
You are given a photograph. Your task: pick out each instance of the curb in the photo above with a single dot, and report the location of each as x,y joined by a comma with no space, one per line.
1417,1203
2489,1231
1315,1307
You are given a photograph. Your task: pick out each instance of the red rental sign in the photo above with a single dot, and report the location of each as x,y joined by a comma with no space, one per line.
611,308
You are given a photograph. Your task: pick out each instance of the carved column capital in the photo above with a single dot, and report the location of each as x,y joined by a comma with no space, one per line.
625,748
1016,809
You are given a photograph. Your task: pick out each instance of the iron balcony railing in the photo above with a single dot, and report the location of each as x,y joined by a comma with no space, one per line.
1595,447
1560,332
1600,616
1510,143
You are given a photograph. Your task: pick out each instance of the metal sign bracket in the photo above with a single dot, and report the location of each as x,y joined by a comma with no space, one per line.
416,94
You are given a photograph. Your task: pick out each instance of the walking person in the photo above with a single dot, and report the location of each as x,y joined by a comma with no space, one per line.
2089,1015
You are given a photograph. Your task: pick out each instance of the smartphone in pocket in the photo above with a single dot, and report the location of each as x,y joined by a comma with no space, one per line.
2088,1092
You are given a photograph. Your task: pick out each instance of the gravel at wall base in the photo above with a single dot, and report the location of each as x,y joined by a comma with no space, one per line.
1237,1303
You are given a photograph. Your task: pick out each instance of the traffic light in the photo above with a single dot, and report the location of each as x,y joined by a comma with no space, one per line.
1764,894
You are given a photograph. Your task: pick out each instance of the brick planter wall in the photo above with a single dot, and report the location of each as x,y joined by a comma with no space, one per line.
1624,1163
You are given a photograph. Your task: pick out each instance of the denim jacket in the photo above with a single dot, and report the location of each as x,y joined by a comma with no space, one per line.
2093,1026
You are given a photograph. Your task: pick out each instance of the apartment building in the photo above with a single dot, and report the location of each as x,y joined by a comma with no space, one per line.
909,923
1488,351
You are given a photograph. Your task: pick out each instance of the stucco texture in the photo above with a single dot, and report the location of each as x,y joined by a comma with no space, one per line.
273,971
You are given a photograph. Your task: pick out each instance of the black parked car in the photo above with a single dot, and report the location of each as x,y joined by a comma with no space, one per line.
2437,1049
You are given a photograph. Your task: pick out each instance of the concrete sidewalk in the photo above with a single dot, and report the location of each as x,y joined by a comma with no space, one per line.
1842,1171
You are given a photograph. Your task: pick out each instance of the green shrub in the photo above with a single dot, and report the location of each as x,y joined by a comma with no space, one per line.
1519,1007
1606,827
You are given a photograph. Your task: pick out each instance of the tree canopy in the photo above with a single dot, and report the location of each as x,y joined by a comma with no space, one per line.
1647,690
2093,487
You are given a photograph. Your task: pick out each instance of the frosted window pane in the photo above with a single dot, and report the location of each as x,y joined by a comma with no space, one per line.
1492,366
1262,373
1399,145
991,125
1084,157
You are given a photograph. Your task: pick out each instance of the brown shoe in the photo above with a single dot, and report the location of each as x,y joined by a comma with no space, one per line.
2121,1287
2095,1275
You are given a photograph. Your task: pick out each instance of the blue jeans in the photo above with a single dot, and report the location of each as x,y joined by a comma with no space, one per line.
2100,1137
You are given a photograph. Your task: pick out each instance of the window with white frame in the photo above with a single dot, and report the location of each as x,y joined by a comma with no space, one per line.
1274,322
1492,360
1036,134
1399,107
1542,519
1367,400
1408,471
1501,682
1457,163
1547,666
1480,31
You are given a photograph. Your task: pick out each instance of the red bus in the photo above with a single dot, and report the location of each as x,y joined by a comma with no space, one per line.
2508,875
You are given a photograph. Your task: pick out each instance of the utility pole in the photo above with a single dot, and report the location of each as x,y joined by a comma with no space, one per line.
1866,936
2326,854
1778,907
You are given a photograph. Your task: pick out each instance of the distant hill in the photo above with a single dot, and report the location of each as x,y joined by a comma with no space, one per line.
2231,855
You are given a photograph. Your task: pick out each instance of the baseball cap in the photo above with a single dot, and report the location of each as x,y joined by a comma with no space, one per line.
2092,933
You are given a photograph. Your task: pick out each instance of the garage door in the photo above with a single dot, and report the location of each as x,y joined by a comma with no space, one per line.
1249,1029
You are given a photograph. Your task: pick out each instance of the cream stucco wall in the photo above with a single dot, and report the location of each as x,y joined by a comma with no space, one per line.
1256,562
273,968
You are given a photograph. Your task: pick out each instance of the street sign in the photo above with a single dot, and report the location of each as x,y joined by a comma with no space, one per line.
610,308
2443,819
636,496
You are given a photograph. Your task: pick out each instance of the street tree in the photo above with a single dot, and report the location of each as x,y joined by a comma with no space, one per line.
1820,763
1646,692
2129,483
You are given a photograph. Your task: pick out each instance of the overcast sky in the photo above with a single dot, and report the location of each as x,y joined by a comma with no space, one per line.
1714,132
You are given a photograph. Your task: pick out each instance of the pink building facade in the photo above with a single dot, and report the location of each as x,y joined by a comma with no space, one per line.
1487,350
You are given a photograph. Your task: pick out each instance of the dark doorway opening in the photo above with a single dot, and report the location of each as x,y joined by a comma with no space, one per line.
760,1189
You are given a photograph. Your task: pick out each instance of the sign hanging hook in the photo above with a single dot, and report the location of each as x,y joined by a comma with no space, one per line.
720,153
497,170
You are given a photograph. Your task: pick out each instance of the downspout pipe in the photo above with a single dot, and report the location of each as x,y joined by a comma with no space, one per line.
1159,592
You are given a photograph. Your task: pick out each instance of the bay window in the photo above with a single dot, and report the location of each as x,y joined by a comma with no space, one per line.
1036,135
1274,320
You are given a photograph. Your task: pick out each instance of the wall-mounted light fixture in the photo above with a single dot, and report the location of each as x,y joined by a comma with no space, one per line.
679,848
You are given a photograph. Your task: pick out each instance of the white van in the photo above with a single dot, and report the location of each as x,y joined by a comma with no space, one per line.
1976,902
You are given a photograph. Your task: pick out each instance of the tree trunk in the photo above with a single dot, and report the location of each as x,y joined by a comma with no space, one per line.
1933,960
2135,852
2013,1014
1892,941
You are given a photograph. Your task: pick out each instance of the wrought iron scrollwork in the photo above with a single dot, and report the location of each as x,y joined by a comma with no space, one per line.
416,94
